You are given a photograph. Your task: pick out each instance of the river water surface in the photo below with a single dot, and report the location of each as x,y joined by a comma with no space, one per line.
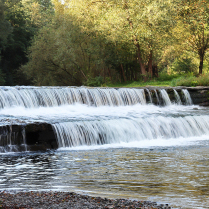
140,151
177,175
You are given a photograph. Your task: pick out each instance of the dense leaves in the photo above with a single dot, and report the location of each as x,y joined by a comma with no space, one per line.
88,42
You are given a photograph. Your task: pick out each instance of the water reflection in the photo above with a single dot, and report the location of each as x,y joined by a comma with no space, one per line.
175,175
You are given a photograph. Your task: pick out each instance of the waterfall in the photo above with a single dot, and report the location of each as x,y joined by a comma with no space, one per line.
70,134
178,99
157,97
32,97
187,97
165,97
150,97
10,138
108,115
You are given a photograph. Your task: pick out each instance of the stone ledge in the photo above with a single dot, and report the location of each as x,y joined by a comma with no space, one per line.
37,136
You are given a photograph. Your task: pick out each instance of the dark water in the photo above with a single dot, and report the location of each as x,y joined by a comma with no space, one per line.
176,175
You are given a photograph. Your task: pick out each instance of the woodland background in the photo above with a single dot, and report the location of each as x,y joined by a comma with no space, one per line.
102,42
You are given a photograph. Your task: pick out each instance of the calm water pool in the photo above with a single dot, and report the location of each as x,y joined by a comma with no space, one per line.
176,175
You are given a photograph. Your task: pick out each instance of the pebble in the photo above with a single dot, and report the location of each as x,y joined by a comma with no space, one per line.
61,200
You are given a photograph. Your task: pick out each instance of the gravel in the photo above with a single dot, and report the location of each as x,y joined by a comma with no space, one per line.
60,200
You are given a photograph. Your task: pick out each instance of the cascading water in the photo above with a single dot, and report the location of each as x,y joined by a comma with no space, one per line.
123,143
74,127
70,134
165,97
188,100
31,97
157,97
178,99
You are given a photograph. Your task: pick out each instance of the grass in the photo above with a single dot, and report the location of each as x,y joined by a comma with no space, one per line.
141,84
163,80
173,80
202,80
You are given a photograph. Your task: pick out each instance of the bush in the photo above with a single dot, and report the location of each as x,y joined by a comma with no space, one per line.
202,80
164,76
97,81
183,65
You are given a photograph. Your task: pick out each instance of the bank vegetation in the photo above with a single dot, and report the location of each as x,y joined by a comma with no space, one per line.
104,42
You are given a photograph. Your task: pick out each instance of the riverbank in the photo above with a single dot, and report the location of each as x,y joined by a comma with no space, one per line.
45,200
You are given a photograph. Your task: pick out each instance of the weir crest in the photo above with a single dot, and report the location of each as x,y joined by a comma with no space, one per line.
31,97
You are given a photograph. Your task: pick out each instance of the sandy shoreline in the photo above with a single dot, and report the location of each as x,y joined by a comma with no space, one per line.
45,200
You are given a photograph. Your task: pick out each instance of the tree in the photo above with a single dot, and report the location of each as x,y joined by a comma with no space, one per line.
5,27
145,24
194,15
63,53
5,30
23,17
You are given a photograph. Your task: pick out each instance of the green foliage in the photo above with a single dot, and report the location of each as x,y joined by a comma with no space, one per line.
140,84
202,80
97,43
23,20
71,54
183,65
167,77
97,81
5,26
194,15
2,78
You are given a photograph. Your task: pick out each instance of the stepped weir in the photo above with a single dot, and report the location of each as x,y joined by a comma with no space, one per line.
41,118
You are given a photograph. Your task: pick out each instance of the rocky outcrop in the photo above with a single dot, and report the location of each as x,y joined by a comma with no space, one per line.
199,95
40,136
27,137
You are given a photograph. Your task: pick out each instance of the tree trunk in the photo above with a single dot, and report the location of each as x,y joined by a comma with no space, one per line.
155,71
201,64
150,64
109,72
143,69
142,66
123,73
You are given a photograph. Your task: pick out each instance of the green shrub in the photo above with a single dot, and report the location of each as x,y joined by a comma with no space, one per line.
183,65
164,76
97,81
202,80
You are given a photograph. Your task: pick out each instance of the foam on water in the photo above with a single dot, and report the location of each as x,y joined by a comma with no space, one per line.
80,111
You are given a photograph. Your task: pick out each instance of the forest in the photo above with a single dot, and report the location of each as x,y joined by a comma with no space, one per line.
103,42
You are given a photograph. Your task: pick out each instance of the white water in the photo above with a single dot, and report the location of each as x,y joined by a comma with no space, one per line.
187,97
108,116
165,97
161,155
178,99
31,97
71,134
137,125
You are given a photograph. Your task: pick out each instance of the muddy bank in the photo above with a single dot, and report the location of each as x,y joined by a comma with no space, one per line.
45,200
